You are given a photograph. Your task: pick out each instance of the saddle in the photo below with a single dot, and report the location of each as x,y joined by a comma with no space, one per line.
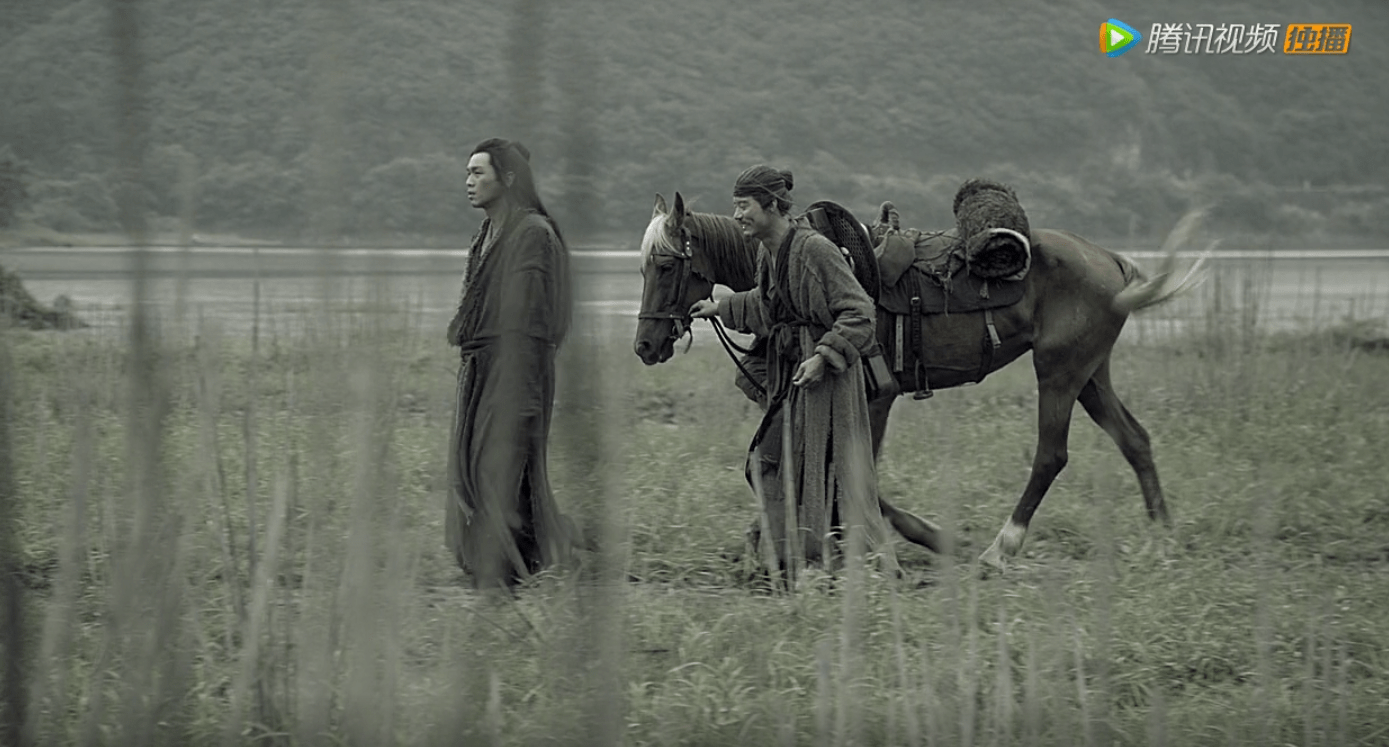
938,273
934,268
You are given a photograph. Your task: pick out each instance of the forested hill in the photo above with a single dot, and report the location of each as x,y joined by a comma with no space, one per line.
298,118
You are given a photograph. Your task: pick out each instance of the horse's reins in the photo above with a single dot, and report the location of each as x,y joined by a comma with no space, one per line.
682,320
729,346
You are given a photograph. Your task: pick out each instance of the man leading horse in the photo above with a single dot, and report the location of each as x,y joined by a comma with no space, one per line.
811,462
1076,297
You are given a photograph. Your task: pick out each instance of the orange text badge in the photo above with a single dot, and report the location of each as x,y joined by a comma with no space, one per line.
1317,38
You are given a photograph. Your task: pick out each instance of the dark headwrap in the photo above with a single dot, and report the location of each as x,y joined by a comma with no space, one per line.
766,184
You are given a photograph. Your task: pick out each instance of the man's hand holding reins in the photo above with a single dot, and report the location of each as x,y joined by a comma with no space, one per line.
704,309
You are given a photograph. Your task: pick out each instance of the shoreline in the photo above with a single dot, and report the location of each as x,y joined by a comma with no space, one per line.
38,237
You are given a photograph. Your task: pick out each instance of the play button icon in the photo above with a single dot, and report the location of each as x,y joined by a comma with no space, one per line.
1117,37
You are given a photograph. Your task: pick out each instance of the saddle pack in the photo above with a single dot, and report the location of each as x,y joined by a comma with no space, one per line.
924,276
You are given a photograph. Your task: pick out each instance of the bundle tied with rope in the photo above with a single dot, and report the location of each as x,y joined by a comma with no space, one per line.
993,229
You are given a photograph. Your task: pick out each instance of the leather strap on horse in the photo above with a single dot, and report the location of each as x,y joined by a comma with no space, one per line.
780,392
729,346
678,317
923,386
991,343
773,408
898,344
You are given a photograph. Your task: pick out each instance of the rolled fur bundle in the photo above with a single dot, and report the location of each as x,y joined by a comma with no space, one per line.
993,228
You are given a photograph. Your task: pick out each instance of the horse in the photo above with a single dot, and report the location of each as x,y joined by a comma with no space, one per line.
1076,298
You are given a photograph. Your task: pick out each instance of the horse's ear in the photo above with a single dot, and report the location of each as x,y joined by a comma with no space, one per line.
660,208
679,208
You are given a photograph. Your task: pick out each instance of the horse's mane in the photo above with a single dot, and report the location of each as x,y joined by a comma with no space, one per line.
655,238
714,229
719,229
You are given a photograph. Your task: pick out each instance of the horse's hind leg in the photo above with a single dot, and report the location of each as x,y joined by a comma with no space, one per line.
1056,398
1106,409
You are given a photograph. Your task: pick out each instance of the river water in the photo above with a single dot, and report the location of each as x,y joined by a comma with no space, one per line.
283,287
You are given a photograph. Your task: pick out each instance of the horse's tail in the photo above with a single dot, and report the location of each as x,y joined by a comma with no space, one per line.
1141,292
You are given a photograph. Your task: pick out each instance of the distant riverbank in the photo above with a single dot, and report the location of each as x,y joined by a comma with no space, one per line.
239,283
43,237
38,236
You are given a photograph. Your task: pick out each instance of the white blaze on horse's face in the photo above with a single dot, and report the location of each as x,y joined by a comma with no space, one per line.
752,217
484,187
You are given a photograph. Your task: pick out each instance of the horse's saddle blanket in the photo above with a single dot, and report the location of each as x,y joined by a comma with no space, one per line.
931,269
955,342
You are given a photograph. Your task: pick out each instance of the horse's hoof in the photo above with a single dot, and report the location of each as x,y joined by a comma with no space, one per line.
1009,540
992,563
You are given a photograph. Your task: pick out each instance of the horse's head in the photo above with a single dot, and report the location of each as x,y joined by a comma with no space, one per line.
675,274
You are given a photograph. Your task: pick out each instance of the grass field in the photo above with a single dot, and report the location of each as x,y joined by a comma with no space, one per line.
240,541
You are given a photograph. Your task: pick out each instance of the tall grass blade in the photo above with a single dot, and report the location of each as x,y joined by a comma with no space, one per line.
51,695
1087,729
14,691
249,427
1157,718
908,699
968,669
369,635
824,693
1032,693
250,665
1003,685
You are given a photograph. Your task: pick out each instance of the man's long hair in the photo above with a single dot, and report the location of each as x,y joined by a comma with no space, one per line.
510,156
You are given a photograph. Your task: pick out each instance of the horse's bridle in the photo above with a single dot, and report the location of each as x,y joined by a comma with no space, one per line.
681,317
683,320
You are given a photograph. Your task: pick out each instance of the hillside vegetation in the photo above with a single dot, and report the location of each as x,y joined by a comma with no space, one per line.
355,119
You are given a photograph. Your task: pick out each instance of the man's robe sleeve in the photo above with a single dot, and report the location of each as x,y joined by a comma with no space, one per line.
744,311
848,306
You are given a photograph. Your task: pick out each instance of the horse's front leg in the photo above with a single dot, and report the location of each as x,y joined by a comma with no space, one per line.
878,411
1056,399
913,528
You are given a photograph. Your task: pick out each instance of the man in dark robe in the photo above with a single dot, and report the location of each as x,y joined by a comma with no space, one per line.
818,322
501,519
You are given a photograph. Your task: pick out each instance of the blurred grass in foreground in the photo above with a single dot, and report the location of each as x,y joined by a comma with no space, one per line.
292,585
